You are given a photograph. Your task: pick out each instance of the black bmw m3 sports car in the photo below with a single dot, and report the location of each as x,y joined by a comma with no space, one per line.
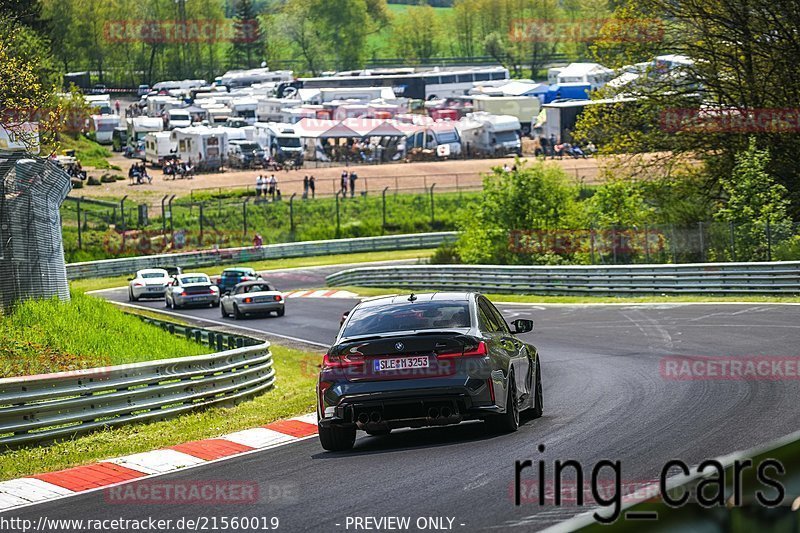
425,360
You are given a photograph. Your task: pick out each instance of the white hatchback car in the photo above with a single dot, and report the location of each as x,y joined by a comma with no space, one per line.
148,283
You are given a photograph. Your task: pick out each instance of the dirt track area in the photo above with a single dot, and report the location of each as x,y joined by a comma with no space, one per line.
416,176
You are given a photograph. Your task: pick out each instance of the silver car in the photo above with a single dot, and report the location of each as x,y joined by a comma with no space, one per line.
191,289
148,283
251,297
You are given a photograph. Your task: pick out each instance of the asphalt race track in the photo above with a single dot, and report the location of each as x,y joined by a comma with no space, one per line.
605,398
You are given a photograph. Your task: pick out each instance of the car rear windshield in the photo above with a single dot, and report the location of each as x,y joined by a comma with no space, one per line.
392,317
195,279
236,274
152,275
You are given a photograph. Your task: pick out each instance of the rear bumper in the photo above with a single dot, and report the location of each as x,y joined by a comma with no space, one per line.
408,403
202,299
261,307
143,292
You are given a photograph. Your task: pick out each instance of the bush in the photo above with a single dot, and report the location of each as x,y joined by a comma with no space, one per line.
92,181
76,183
446,254
119,177
107,178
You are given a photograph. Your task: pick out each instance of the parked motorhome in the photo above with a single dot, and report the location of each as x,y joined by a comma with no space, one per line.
102,126
157,147
157,105
281,141
177,118
244,108
487,134
560,117
100,102
595,74
440,136
201,146
271,109
524,108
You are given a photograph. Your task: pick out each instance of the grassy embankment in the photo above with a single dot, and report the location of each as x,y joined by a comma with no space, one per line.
50,336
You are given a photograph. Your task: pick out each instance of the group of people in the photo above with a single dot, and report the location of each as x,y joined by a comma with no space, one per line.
138,174
552,148
309,184
178,169
348,178
267,186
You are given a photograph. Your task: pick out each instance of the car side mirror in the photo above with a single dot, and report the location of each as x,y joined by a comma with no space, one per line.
522,325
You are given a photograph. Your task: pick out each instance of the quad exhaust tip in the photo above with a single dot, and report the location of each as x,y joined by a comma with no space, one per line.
446,412
363,418
433,412
375,417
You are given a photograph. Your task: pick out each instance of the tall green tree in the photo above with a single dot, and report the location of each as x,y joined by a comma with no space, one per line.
248,41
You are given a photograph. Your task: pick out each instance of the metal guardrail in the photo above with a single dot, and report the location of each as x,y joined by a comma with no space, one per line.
734,278
128,265
46,407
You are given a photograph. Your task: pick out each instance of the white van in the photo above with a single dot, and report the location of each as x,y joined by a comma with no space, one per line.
177,118
103,127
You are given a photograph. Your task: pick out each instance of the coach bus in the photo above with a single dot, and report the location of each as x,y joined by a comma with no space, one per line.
406,83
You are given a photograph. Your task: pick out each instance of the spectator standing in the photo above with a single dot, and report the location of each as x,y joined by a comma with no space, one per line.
353,178
116,106
343,183
312,185
257,241
305,188
259,187
272,185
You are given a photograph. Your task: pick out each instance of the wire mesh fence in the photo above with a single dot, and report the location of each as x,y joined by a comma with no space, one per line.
31,251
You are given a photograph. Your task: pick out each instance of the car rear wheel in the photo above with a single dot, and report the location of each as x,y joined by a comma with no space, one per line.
508,422
281,312
168,303
223,311
131,297
236,313
337,439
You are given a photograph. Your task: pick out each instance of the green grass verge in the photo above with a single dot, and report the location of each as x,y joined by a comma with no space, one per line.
84,285
42,336
554,299
88,152
293,395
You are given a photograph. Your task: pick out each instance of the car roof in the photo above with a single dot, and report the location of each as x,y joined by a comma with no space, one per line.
239,269
191,275
424,297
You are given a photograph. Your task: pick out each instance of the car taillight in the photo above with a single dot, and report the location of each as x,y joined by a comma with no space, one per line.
469,351
248,300
278,298
342,361
138,284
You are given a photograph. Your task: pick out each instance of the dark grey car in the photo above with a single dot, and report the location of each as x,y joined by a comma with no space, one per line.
425,360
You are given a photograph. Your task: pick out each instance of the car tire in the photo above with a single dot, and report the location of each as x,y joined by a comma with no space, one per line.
337,439
281,312
236,313
222,311
167,303
131,297
508,422
537,409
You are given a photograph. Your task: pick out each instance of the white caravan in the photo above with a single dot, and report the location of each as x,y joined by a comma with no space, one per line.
200,146
103,127
158,146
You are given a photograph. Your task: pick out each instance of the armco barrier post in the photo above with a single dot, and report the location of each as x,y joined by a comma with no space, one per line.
383,226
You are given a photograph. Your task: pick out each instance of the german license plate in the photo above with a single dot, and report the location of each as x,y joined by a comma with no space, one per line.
400,363
155,289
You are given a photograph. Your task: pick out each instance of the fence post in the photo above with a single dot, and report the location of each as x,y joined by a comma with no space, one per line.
171,218
383,195
702,243
201,223
244,217
336,196
164,216
646,244
733,240
433,220
591,241
769,241
614,244
291,214
122,211
80,239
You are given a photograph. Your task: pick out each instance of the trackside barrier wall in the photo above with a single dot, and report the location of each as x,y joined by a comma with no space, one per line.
51,406
129,265
782,277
